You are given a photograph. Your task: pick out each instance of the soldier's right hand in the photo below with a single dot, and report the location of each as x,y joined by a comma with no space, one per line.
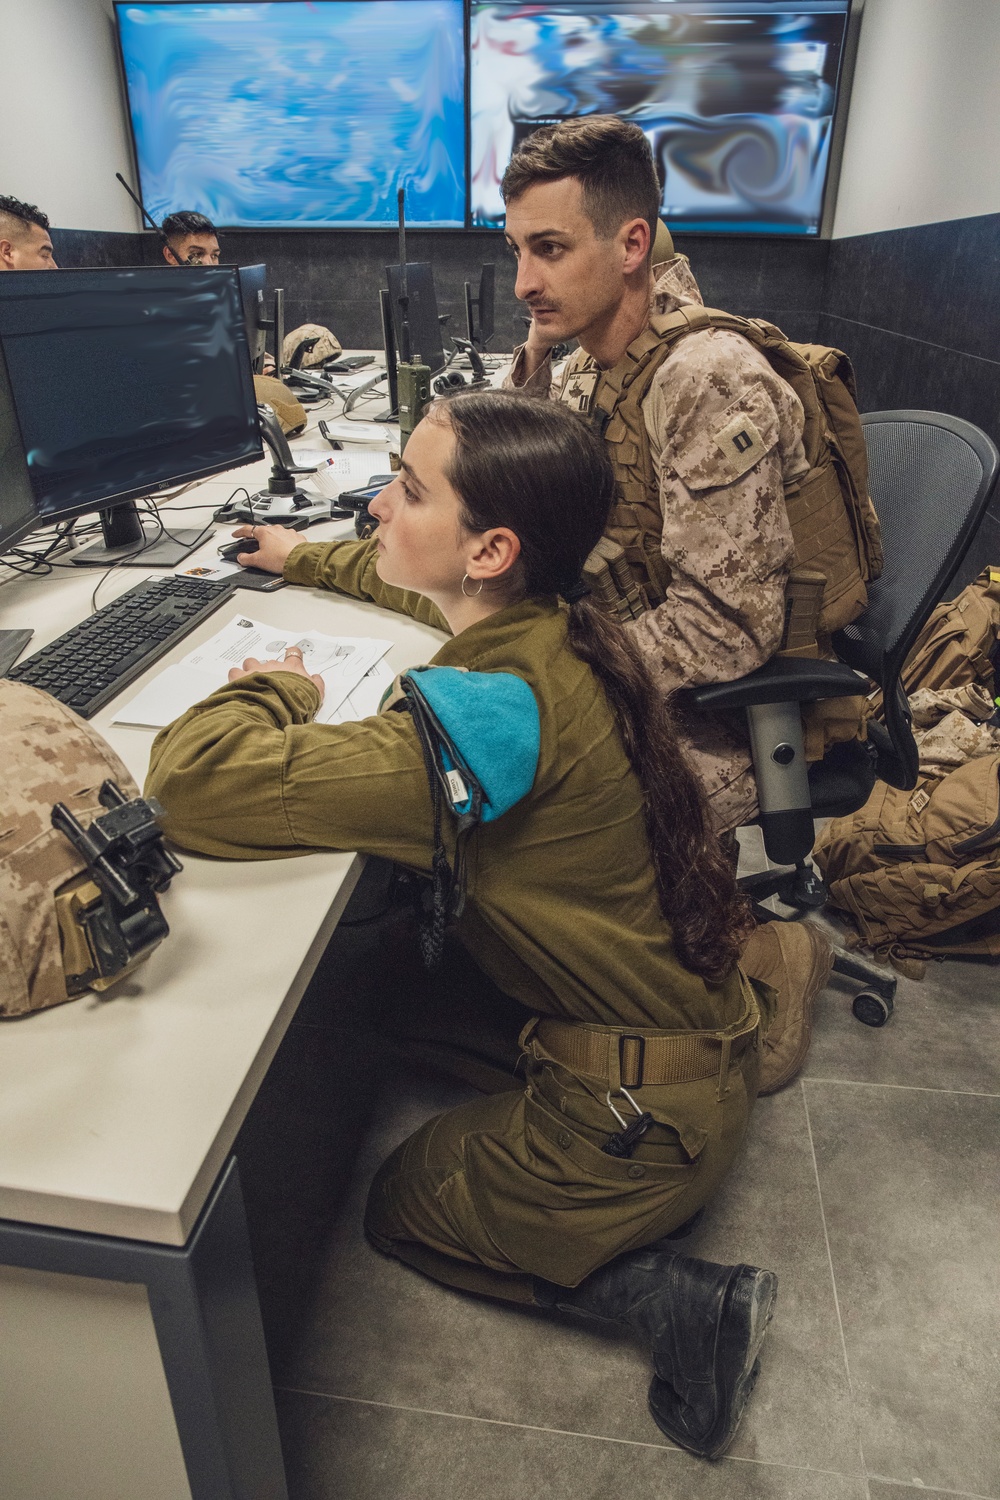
274,543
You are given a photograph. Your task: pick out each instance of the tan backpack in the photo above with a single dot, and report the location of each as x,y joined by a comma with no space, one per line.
954,647
833,522
919,871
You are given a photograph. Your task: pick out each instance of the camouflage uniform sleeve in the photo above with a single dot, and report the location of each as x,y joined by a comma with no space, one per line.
537,384
725,433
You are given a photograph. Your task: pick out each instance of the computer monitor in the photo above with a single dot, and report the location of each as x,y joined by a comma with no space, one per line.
253,280
737,98
479,310
114,384
425,342
304,114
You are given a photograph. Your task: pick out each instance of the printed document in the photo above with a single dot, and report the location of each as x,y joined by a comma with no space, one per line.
343,662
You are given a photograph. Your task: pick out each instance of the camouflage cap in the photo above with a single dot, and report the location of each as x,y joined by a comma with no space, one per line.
50,756
327,346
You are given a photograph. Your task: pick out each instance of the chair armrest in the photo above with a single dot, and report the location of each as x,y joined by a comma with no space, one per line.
783,679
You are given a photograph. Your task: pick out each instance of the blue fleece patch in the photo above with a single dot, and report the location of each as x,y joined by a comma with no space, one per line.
492,719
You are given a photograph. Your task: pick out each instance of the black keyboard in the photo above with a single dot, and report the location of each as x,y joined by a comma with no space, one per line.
90,664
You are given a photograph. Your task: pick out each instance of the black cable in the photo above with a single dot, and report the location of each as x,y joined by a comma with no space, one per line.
146,542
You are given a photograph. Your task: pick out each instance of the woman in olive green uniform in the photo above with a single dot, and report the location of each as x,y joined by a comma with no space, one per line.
598,898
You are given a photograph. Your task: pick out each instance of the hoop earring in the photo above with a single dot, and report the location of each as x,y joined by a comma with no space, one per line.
465,591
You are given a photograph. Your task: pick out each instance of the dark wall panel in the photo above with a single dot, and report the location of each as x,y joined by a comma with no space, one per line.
74,248
781,280
333,278
918,312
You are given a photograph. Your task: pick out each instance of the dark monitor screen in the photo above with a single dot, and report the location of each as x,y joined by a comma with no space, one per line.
253,280
421,313
117,383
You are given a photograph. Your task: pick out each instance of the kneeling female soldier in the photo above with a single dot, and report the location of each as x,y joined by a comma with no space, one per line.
594,894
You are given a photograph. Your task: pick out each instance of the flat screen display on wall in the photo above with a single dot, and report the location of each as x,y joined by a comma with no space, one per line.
304,113
737,100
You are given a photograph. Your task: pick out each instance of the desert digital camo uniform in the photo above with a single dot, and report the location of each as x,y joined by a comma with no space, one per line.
562,913
725,539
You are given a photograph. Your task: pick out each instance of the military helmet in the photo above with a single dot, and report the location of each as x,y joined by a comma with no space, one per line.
62,911
287,407
327,345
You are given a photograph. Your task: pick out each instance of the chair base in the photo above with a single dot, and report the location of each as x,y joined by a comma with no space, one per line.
802,889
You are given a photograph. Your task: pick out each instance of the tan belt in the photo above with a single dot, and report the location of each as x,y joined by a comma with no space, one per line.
633,1057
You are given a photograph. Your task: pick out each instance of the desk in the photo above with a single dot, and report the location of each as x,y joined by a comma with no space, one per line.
132,1362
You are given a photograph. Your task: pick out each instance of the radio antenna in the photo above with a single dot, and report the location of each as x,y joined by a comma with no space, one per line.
404,300
137,202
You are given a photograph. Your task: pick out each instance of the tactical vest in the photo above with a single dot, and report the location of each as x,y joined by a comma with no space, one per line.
833,523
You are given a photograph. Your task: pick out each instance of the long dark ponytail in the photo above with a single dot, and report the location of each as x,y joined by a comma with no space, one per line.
536,468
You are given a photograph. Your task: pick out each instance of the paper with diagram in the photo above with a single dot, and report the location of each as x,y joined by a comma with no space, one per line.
343,662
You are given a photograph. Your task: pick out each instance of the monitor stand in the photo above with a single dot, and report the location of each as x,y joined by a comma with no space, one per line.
124,535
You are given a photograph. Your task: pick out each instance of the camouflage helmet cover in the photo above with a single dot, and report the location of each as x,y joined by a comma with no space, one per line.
327,347
50,755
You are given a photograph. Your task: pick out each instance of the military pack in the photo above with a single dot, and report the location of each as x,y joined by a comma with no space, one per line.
834,526
958,644
918,872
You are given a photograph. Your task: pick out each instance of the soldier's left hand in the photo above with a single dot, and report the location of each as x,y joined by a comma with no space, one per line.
290,662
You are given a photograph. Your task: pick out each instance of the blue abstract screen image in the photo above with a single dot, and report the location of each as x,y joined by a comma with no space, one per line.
302,113
736,99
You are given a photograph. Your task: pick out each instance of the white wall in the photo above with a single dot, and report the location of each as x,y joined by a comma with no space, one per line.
63,132
923,131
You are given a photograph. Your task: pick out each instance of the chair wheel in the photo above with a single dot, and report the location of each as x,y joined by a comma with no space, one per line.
870,1009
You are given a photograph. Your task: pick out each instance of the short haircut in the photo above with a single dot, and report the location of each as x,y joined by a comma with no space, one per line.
25,214
177,226
610,158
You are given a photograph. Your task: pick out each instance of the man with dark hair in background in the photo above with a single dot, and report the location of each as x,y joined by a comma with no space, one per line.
189,239
703,436
24,237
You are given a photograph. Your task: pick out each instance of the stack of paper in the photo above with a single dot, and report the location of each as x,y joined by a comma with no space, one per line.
345,664
348,470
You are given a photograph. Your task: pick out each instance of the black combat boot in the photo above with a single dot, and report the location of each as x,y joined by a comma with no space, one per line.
705,1324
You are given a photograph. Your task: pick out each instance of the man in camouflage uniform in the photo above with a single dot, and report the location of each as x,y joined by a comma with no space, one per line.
582,203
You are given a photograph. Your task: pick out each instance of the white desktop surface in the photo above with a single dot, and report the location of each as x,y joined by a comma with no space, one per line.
117,1112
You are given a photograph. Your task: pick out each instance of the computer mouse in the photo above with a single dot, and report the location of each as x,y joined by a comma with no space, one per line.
242,544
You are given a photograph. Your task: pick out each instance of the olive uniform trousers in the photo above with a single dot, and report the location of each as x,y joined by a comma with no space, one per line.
515,1185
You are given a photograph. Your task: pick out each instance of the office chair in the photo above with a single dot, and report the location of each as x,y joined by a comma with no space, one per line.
931,477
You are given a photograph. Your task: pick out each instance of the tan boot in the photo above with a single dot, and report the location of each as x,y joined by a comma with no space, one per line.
795,959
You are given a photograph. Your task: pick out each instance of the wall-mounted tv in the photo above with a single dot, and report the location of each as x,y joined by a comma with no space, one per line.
737,100
301,113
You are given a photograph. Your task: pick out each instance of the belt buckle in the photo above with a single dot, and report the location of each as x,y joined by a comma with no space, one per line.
631,1058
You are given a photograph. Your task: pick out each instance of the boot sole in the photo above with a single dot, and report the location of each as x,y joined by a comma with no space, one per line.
748,1310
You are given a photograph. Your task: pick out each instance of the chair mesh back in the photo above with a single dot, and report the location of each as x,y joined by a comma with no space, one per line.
925,482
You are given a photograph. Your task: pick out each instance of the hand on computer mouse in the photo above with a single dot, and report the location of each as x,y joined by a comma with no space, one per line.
271,546
232,551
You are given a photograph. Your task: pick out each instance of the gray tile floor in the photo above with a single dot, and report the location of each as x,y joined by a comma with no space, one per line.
869,1185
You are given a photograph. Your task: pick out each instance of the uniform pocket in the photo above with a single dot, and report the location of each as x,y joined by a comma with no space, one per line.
742,434
558,1206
